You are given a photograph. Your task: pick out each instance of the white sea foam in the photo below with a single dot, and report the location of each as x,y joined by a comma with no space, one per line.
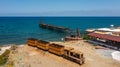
4,48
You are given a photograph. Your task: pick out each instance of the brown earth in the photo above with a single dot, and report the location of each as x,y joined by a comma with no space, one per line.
27,56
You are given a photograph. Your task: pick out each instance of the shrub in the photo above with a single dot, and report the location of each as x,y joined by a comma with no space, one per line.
4,57
86,37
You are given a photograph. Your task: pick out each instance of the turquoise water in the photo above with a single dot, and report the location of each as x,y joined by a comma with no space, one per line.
16,30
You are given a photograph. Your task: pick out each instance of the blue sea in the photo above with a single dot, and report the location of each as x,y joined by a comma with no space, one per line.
16,30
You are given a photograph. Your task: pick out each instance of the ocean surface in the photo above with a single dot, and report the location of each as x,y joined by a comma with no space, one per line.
16,30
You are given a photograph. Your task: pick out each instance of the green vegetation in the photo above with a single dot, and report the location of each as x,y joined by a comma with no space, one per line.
86,37
4,57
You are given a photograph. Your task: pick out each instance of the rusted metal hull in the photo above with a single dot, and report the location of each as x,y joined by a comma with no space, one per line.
72,38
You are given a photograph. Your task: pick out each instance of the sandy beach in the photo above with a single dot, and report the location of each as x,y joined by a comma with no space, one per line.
27,56
94,58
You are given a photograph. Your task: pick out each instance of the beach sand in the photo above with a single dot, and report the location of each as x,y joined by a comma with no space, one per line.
27,56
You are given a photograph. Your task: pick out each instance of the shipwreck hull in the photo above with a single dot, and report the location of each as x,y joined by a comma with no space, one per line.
73,39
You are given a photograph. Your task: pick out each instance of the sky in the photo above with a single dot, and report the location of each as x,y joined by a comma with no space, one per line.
59,7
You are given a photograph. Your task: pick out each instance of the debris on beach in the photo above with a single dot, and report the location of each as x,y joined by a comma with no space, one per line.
74,37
